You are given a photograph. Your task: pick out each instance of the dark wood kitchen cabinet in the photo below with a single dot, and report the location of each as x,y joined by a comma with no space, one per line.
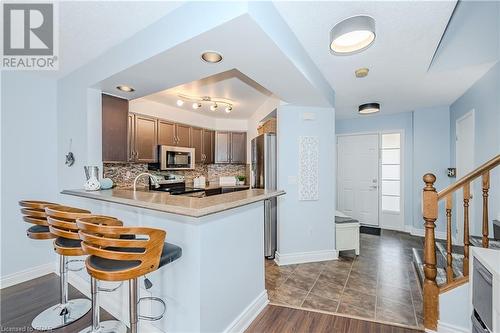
222,147
183,135
230,147
208,146
197,144
202,140
238,147
115,123
145,139
172,134
166,133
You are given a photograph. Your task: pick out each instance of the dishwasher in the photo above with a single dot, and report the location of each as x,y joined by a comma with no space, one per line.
482,299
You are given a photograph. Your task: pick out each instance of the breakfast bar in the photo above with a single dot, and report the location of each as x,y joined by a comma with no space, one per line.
218,283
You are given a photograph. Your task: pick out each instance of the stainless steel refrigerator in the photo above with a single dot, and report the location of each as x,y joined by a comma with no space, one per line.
264,175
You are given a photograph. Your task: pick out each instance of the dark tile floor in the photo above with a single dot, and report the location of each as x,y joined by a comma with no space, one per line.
379,284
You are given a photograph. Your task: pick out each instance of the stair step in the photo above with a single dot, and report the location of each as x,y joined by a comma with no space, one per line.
457,262
418,254
478,241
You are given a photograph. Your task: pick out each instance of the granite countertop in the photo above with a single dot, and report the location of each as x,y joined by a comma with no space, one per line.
178,204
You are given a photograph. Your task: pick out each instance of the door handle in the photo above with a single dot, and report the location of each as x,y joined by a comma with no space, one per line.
373,187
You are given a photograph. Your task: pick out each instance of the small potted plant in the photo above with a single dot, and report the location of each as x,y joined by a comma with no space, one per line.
240,180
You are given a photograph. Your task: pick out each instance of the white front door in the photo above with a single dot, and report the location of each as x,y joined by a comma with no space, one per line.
464,164
357,177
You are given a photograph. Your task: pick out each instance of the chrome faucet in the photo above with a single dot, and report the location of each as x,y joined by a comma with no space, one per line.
153,179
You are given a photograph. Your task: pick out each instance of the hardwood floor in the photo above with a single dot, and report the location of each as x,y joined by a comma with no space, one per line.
281,319
21,303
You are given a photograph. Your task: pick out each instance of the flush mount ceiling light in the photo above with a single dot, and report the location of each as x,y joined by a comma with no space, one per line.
212,57
352,35
369,108
200,101
361,72
125,88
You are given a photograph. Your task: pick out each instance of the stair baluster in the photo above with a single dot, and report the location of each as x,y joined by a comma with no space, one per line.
449,246
431,290
486,187
466,192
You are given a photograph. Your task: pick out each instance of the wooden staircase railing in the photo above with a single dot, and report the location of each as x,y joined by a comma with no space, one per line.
430,201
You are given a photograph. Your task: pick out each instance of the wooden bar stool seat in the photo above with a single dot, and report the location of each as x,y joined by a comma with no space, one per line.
114,256
34,213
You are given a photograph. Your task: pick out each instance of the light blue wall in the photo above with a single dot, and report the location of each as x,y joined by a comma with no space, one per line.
484,98
29,164
431,153
376,123
305,226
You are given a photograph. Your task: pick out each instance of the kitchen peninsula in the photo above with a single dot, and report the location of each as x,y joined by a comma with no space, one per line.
218,283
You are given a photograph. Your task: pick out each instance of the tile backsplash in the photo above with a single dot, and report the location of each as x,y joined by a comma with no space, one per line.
123,174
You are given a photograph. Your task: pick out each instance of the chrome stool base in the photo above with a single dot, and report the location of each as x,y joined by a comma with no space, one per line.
109,326
60,315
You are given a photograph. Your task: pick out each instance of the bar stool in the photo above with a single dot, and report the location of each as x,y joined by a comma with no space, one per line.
110,325
112,258
34,212
61,221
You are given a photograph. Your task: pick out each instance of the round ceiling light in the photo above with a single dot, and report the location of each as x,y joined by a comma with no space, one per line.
180,102
369,108
125,88
352,35
211,57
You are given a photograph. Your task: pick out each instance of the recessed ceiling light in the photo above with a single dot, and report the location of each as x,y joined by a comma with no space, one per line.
352,35
180,102
228,109
196,105
213,107
211,57
369,108
361,72
125,88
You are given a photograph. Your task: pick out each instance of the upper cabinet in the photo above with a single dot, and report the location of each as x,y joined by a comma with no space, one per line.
145,139
230,147
197,144
208,150
172,134
239,147
115,123
166,133
183,135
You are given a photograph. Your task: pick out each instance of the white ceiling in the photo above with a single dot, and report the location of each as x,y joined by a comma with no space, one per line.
408,33
89,28
247,95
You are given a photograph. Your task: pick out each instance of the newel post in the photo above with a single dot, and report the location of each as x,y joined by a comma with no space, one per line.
431,289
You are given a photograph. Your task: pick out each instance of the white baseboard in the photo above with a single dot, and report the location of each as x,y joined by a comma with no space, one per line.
449,328
27,274
305,257
245,318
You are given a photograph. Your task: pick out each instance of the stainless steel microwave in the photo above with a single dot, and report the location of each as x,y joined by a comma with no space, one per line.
176,158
